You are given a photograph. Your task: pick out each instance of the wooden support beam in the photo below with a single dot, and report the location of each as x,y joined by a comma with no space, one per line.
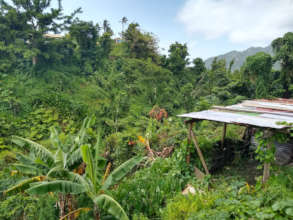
266,169
266,172
189,132
199,175
189,142
223,135
199,152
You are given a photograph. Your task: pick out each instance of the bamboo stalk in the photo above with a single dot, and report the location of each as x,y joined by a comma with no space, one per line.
199,152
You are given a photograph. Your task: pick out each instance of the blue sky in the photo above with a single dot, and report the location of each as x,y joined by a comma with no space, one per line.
209,27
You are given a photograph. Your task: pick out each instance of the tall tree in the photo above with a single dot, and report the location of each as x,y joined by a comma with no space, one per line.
177,59
283,48
123,21
38,18
197,69
85,34
258,70
106,27
140,45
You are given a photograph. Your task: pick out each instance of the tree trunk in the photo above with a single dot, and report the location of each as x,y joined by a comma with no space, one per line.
96,212
61,204
70,205
34,60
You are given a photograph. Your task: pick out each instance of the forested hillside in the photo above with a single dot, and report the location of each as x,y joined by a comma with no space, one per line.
88,126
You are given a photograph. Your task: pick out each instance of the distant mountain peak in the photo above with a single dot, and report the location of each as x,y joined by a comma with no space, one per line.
239,56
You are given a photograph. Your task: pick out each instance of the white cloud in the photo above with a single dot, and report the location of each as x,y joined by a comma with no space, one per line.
242,21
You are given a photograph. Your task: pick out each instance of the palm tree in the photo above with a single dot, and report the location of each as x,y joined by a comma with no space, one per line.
94,183
106,27
123,21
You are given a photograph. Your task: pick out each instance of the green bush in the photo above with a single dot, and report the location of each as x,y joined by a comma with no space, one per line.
149,189
233,200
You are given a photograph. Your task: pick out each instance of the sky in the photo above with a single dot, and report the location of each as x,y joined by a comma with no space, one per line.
208,27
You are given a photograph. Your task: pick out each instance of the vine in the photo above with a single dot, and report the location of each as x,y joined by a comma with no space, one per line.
266,144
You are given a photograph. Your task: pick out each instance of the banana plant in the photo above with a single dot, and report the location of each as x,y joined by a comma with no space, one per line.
42,164
95,183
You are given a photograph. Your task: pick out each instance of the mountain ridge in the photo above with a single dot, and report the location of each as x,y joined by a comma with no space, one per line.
240,56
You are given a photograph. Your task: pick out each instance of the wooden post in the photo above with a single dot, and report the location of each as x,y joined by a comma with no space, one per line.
189,141
148,147
189,132
266,172
199,152
223,135
266,169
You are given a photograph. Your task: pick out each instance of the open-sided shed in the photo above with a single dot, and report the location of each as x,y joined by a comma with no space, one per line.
271,115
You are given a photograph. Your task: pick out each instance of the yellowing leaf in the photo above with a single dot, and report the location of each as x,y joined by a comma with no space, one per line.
248,187
141,139
13,172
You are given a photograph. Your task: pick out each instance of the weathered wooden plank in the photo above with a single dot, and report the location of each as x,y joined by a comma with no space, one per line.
199,152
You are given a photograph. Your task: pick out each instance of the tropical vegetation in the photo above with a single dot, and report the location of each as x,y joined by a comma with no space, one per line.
88,126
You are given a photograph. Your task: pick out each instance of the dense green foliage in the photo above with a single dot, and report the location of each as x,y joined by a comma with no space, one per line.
234,199
59,93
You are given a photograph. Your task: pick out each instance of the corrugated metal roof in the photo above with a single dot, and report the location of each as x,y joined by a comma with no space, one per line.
53,35
260,113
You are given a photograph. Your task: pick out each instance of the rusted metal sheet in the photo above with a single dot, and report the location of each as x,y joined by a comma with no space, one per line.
278,100
237,118
269,105
278,117
259,113
241,108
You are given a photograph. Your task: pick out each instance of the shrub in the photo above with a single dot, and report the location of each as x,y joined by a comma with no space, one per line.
149,189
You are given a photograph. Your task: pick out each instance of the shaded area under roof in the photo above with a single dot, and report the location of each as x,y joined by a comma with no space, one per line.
259,113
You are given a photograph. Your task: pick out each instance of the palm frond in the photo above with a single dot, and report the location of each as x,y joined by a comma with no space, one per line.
121,171
54,137
100,162
60,158
61,186
75,177
23,185
40,150
111,206
57,171
88,159
27,169
74,158
24,158
80,138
